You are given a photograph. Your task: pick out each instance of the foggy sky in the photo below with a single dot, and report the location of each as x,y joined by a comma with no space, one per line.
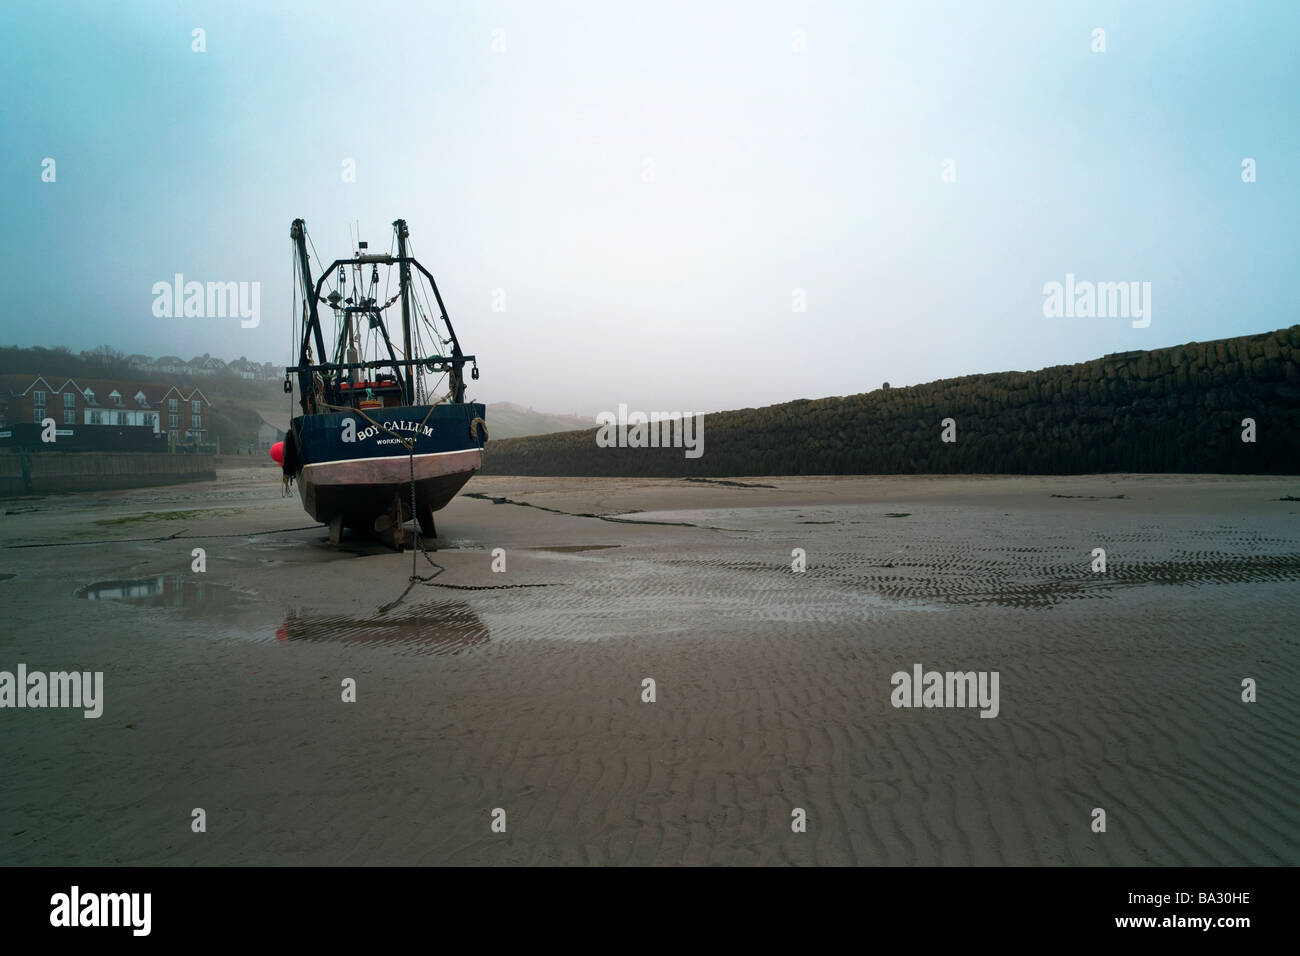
649,184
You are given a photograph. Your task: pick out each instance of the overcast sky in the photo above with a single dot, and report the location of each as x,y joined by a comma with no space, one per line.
650,183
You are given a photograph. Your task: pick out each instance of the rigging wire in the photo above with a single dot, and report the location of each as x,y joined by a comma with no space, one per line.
433,328
367,340
319,267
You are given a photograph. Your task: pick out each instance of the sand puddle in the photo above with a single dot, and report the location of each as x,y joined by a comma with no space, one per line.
162,590
574,548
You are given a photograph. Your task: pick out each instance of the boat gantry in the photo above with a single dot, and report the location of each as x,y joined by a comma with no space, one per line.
385,433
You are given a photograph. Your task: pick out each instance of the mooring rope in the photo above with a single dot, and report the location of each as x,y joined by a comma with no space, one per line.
476,425
415,546
176,536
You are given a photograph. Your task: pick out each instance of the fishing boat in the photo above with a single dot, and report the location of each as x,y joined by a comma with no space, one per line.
386,434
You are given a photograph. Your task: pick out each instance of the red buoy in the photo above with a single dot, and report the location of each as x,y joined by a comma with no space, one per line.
277,453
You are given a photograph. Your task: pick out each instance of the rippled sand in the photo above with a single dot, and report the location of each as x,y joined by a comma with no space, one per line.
522,690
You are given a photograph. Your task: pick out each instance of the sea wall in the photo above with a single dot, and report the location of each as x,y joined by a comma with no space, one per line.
1178,409
25,472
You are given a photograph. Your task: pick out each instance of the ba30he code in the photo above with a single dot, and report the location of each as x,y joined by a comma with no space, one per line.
1160,899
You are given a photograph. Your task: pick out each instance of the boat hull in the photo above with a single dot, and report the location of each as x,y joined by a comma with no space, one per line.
360,471
362,490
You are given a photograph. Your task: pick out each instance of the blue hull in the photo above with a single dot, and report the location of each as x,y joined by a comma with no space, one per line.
358,466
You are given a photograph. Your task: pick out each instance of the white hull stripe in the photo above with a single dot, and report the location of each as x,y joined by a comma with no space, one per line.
390,458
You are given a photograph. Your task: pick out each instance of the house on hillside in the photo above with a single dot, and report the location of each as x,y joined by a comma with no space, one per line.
82,401
268,434
107,402
185,411
162,408
205,364
244,369
171,365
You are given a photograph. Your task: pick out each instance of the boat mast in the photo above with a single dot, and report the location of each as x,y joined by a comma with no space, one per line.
311,321
399,226
333,368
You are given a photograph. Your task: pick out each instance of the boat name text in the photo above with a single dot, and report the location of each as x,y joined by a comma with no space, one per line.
350,433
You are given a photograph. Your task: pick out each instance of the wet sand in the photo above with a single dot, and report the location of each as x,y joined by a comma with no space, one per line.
522,690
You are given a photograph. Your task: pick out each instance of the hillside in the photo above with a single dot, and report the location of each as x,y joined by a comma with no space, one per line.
232,423
1176,409
240,405
507,420
106,363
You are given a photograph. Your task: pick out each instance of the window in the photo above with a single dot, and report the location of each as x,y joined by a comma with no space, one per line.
38,415
38,399
69,416
139,397
90,395
121,418
175,422
96,417
194,407
69,400
150,420
171,407
197,422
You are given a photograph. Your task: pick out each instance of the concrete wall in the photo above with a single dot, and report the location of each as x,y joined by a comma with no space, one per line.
38,473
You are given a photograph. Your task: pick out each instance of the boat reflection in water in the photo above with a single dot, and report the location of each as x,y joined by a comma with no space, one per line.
439,627
163,590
